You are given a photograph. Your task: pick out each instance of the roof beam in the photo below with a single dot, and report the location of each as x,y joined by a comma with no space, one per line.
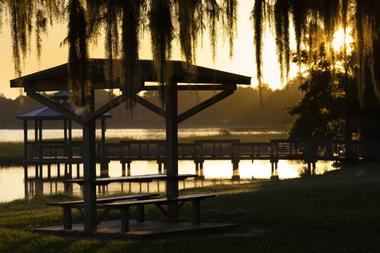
204,105
104,108
190,87
150,106
54,105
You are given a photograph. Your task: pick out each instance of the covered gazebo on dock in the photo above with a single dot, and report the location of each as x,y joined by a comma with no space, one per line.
183,78
38,150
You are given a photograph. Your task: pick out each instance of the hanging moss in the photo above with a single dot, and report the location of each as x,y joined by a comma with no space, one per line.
161,29
314,23
77,41
213,16
230,14
282,25
131,10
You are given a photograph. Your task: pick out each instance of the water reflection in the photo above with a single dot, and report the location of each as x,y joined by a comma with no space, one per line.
13,186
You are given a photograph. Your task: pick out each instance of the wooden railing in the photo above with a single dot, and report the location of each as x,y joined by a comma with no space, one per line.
307,150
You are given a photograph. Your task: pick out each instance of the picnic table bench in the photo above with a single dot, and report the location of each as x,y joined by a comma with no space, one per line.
141,178
79,204
124,206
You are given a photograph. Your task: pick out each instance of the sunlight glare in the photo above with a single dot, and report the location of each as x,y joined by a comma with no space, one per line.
341,39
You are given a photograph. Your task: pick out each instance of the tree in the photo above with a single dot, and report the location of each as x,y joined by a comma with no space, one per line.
186,20
331,107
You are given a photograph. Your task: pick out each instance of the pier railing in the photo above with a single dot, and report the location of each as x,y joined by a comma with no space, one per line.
306,150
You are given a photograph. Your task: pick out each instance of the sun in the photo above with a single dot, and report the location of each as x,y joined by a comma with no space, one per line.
342,39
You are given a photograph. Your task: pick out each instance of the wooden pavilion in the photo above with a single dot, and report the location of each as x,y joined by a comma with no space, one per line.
183,78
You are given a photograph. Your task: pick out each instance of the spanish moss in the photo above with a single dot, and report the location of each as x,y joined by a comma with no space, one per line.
311,23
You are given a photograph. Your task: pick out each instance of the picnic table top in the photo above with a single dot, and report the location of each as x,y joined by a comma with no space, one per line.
140,178
163,200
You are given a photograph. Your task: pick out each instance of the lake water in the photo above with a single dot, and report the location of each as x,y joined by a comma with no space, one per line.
14,186
14,135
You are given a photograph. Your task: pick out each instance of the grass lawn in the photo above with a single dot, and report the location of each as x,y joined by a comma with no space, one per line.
336,212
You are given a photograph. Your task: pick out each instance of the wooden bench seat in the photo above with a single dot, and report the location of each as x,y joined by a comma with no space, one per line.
124,206
131,179
79,204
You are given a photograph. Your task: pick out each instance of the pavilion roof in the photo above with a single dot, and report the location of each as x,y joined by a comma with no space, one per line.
46,113
56,78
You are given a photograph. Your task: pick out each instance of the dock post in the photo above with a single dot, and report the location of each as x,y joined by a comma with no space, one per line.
78,170
36,171
235,169
159,167
39,187
122,168
308,168
125,168
41,167
89,169
104,169
199,169
129,168
274,170
71,169
26,179
58,170
49,170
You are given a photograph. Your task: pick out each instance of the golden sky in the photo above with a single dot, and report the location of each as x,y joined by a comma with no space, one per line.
242,62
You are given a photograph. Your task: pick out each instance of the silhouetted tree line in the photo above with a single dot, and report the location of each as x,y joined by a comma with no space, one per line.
240,110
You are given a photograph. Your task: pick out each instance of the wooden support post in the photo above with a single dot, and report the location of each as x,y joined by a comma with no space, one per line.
25,140
36,131
129,168
49,170
103,137
196,211
89,165
66,145
140,213
66,171
36,171
26,174
41,169
235,170
104,169
67,218
70,139
124,219
308,173
58,170
123,169
159,167
171,102
78,170
26,179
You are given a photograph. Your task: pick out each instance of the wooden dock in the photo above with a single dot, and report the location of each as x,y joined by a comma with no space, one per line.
308,151
56,151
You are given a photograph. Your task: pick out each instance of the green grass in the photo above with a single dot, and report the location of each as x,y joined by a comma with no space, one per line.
11,152
336,212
